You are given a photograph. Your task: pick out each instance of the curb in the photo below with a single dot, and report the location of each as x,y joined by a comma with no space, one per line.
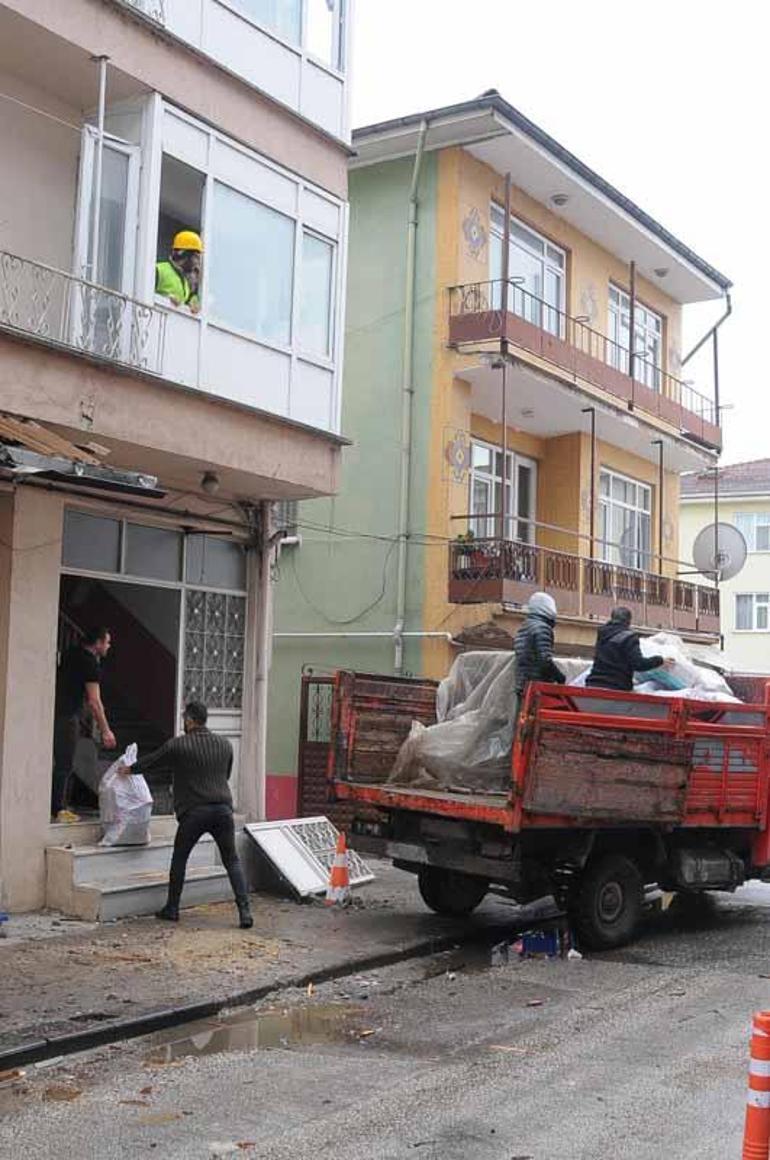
40,1050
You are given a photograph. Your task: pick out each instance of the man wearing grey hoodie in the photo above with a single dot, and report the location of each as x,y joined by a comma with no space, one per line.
533,646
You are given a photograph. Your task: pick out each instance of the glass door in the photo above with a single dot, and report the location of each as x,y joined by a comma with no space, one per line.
104,322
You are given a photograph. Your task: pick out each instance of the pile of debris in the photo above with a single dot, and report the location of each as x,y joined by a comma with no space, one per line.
469,748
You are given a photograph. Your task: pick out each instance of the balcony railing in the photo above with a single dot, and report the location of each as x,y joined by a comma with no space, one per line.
509,572
47,304
476,317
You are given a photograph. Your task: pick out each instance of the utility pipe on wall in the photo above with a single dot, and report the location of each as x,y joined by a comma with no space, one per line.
264,615
336,635
592,522
407,391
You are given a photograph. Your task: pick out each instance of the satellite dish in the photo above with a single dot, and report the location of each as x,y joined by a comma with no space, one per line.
723,554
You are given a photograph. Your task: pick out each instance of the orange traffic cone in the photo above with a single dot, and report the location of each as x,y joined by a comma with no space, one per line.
338,890
756,1134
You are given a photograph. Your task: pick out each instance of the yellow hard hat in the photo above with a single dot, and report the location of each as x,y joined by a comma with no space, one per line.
187,240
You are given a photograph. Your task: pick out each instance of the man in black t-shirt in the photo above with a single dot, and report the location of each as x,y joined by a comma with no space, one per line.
77,691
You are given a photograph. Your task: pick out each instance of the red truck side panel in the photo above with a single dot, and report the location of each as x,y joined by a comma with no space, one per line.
583,757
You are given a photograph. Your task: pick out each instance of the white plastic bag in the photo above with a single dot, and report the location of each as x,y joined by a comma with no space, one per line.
125,804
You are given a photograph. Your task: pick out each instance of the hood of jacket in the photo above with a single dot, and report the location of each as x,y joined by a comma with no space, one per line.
614,628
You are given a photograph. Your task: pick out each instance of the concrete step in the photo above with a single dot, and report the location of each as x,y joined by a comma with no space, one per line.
137,894
96,864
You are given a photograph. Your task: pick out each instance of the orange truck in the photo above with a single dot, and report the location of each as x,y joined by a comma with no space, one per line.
607,792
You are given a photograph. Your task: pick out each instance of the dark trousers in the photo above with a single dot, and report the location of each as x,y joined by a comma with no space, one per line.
216,820
66,732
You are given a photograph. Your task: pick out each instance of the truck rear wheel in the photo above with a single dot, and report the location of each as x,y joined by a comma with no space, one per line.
608,903
449,891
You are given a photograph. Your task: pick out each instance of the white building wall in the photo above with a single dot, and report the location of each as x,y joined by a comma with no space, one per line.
749,651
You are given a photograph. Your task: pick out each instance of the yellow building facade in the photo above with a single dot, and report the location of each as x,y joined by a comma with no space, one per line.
598,450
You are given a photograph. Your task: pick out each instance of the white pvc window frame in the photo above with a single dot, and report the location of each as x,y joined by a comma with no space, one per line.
759,609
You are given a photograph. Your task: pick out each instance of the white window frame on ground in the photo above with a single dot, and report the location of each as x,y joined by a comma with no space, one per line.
648,341
755,527
635,509
485,522
757,606
543,305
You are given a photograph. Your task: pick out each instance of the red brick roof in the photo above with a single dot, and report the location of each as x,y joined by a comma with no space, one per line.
752,478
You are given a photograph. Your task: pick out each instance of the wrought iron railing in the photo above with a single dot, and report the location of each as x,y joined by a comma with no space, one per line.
155,9
481,569
48,304
484,300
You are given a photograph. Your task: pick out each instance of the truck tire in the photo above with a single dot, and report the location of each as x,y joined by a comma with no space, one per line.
608,903
450,892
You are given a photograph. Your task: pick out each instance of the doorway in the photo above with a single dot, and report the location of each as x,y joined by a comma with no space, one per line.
175,601
139,675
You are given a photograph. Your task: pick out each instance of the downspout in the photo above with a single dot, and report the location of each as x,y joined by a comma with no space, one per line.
712,334
407,391
264,616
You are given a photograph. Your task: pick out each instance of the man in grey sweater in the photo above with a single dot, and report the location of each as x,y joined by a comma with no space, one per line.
200,764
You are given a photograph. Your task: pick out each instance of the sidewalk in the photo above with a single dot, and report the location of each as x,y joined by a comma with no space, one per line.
61,977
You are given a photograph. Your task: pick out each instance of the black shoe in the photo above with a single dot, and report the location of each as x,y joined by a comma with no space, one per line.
168,914
246,921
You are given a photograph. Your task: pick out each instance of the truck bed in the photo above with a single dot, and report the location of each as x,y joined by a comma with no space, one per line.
581,757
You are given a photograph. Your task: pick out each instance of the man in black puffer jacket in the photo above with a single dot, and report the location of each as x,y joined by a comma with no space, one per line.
618,655
533,645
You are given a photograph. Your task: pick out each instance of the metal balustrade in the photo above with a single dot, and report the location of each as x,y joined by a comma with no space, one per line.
491,570
53,306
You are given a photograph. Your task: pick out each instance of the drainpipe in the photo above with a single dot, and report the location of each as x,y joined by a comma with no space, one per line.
711,333
346,635
264,615
407,391
96,193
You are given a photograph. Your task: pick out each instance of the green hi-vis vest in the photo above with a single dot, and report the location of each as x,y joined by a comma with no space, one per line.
170,283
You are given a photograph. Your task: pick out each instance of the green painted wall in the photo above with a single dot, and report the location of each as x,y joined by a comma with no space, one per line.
343,577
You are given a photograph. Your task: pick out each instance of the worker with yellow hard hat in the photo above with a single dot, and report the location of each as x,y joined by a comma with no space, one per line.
178,278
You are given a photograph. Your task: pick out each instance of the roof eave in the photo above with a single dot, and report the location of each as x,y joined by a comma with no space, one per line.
496,104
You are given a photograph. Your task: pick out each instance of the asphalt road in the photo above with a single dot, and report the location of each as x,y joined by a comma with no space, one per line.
640,1053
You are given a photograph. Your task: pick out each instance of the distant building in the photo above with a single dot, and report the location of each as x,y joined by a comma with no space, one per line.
457,502
744,500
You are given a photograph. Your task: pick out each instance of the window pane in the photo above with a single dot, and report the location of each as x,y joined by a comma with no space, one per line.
555,256
91,542
762,616
213,562
532,241
482,457
112,219
252,258
281,16
744,522
316,306
320,30
743,611
153,552
762,598
763,538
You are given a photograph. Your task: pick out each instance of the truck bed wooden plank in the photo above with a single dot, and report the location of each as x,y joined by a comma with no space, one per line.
608,775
